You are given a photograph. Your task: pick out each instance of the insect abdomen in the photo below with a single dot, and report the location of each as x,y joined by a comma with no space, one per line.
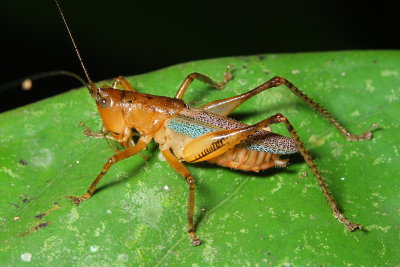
248,160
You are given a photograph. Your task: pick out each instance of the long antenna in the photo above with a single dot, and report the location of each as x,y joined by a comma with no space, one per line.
92,87
26,82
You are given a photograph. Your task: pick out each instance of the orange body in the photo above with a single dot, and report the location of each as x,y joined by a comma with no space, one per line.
150,114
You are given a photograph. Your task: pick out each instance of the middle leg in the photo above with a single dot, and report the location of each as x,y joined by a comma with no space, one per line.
182,170
121,155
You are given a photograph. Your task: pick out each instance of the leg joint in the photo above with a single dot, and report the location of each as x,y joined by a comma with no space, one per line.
276,81
189,179
193,75
279,117
112,160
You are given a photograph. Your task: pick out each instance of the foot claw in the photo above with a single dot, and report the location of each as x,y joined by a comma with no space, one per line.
196,241
353,226
227,77
228,73
77,200
367,135
74,199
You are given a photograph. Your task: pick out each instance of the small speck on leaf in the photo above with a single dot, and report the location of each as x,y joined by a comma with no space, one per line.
94,248
23,162
26,256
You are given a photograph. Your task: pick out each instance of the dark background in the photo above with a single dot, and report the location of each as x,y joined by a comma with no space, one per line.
131,37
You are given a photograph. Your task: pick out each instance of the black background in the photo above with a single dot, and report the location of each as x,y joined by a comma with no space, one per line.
129,37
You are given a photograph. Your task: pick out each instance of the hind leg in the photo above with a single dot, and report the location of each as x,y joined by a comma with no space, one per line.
225,106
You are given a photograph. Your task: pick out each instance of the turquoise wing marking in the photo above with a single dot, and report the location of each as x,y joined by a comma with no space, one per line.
189,127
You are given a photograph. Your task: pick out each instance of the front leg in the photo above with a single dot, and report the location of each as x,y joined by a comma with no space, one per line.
98,135
127,142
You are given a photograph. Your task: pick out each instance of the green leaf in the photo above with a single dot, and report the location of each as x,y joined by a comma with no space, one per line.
276,217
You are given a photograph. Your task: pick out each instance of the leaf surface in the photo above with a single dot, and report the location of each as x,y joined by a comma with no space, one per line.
276,217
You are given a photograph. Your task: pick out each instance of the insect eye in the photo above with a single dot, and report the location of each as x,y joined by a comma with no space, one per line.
104,102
